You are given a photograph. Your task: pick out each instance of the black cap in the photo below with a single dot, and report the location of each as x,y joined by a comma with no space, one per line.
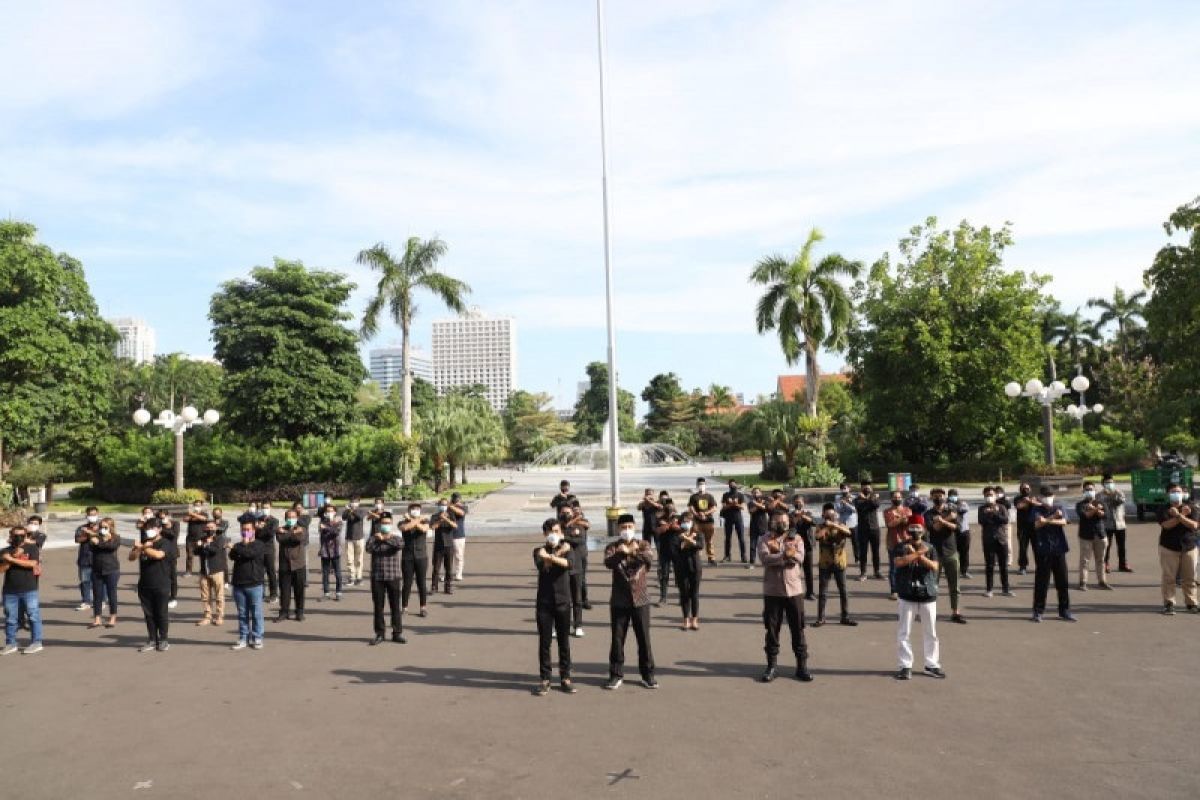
1047,490
626,519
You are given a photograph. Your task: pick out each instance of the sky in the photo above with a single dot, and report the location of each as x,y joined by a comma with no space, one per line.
172,146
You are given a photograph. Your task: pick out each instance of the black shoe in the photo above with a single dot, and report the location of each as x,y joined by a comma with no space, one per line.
587,606
810,597
847,621
904,674
377,640
768,675
281,618
878,576
566,687
542,689
959,618
935,672
726,560
299,616
613,683
399,638
818,623
803,675
650,683
1067,616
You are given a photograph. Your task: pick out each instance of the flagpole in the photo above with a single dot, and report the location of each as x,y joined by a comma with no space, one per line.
614,438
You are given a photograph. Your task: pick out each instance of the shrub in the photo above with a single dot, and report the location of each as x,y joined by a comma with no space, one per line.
83,494
183,497
34,472
820,475
416,492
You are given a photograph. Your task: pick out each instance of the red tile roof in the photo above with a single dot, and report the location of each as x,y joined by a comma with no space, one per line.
788,386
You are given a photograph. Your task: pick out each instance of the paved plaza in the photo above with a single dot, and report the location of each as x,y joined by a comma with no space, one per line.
1103,708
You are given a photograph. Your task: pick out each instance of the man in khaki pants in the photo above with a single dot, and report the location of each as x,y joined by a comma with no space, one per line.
355,519
1177,549
703,507
1092,541
211,550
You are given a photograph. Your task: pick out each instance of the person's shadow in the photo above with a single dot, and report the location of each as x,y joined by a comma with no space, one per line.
457,677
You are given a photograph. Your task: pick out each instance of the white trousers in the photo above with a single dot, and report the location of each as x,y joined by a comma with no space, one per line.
460,549
928,612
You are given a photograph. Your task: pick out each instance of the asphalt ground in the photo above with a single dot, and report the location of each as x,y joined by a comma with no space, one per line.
1106,707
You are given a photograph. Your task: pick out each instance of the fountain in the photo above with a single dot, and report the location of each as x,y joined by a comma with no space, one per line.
630,455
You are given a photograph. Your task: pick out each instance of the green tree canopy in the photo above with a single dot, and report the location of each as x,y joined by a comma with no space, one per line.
532,425
56,356
166,382
941,333
292,366
669,405
591,412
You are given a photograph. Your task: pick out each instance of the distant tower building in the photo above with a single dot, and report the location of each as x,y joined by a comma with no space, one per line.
476,348
386,365
137,339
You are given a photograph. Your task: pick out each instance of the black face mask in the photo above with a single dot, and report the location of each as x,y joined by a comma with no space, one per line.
16,541
1024,492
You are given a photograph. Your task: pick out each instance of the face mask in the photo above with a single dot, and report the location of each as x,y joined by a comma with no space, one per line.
685,525
330,515
267,510
779,527
247,535
953,498
288,523
149,536
93,519
385,528
16,541
1175,497
1089,494
1108,487
443,509
989,498
379,506
197,509
553,539
414,512
147,514
912,495
701,488
1024,491
354,505
627,536
104,529
33,527
1048,500
210,533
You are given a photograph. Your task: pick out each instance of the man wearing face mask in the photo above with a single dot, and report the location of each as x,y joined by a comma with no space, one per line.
703,506
553,613
801,522
866,506
249,558
36,536
1113,500
831,536
575,534
917,587
759,519
293,564
781,553
21,564
650,509
354,518
916,502
1179,521
106,571
962,537
993,524
83,559
458,507
329,532
444,525
214,564
733,503
266,529
941,521
1092,541
196,519
1050,549
414,560
564,497
169,530
385,547
896,518
153,554
630,561
667,532
1027,507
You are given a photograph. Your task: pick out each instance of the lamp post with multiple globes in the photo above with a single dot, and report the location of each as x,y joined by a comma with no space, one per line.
1048,396
178,424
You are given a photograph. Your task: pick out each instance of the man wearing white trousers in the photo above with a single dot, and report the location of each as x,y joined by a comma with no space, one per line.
917,586
458,507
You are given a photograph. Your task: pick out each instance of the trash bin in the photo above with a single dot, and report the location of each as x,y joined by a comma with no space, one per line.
899,481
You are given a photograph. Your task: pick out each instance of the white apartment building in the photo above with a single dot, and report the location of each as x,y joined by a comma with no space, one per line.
476,348
386,365
137,339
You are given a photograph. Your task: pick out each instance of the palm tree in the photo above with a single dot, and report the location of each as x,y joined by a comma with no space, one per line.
1125,310
1073,335
398,282
807,306
720,398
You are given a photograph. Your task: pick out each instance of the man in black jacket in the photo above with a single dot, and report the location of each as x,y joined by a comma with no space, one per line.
866,506
733,503
211,549
574,532
630,562
993,520
265,530
293,564
554,599
249,558
385,547
354,518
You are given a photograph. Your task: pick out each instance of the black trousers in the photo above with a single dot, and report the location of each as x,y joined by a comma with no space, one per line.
962,541
995,552
775,610
390,591
291,582
410,568
738,525
443,560
189,548
807,566
687,578
154,608
620,618
867,538
1050,564
554,620
174,578
273,579
1024,542
665,560
839,576
1119,535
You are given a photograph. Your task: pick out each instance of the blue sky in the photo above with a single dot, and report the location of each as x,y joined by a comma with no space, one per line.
172,146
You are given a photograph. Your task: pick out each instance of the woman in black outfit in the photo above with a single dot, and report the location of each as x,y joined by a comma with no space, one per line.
687,571
156,556
106,571
414,560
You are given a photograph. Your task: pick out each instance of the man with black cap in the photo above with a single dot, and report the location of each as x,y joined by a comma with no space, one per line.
917,587
941,522
703,505
630,561
733,503
781,552
1050,549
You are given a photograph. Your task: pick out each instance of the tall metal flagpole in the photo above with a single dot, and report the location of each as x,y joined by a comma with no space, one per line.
614,437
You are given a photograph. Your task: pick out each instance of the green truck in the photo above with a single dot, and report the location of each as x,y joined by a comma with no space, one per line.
1150,486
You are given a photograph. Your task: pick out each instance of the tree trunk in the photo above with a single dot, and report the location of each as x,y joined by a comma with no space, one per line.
405,393
789,462
463,480
1,459
812,377
179,461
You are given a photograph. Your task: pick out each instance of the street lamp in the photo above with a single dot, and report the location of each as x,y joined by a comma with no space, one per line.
179,424
1049,396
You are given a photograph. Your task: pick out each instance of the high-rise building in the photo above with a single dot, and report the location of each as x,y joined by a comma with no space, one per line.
476,348
386,365
137,339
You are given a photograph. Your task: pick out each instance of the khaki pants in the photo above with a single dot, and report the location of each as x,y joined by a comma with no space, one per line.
1008,535
1182,565
1091,551
354,558
212,596
709,531
460,553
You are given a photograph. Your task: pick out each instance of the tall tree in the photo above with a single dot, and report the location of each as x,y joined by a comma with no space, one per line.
1126,310
291,366
1075,337
399,281
806,305
720,398
669,406
532,425
56,358
591,411
1174,330
941,333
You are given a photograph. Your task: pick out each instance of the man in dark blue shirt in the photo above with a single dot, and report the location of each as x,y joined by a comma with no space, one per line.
1050,553
733,503
1026,507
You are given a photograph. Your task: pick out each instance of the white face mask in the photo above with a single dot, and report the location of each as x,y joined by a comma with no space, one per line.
701,488
627,535
553,539
33,527
991,498
104,529
1048,500
354,505
1089,494
1175,497
685,525
414,512
93,519
330,515
1108,487
379,506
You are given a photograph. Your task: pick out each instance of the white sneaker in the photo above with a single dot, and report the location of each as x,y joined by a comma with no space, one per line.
148,647
577,633
8,650
36,647
82,607
238,645
988,593
173,604
256,644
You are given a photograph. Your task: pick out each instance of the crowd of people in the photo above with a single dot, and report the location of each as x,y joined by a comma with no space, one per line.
922,540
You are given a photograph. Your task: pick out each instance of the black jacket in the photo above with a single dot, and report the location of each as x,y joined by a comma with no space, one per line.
414,544
293,548
104,556
249,563
212,555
